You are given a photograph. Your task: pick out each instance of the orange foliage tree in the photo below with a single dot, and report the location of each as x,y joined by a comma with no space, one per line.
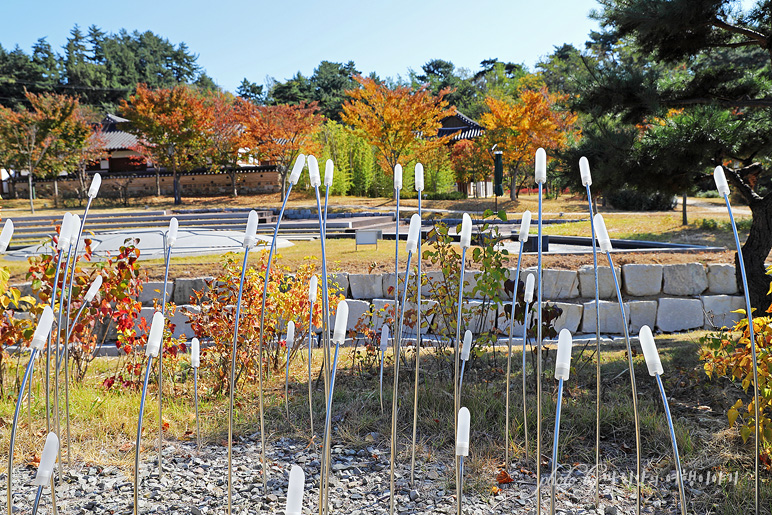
470,161
42,140
520,126
223,131
401,123
170,124
279,133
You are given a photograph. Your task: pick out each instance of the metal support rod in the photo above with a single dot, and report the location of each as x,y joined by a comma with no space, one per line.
19,401
286,381
679,472
383,357
597,348
749,314
419,279
137,446
538,360
325,341
457,353
460,487
261,338
554,474
634,390
394,398
233,382
525,404
168,258
48,344
461,377
61,354
310,385
509,365
195,397
68,330
37,500
328,360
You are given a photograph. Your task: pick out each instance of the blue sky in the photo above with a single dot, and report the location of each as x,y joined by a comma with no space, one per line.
255,39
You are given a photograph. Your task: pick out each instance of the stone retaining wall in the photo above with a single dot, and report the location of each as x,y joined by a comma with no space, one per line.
668,298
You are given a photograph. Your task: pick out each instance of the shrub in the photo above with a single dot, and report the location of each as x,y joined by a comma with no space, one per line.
287,300
627,199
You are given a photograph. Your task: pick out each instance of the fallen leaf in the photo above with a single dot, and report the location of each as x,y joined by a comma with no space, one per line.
126,447
503,477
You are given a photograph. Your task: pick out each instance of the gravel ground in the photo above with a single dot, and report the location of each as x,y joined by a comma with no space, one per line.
196,483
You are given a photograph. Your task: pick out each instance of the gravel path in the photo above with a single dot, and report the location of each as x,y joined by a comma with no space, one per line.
196,483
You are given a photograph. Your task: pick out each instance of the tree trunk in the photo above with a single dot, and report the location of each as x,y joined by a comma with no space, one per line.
82,183
684,220
283,179
755,252
31,203
177,192
233,183
56,191
513,186
157,182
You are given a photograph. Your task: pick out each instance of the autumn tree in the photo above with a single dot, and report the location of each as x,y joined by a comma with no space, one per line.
520,126
399,122
223,131
169,124
471,162
41,139
279,133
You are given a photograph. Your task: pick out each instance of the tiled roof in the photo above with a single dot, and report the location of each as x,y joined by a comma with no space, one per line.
461,127
114,138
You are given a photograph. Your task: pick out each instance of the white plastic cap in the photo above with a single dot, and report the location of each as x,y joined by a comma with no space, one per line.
341,321
93,289
720,178
525,226
313,285
313,171
329,170
413,233
419,177
604,242
466,231
250,234
74,229
297,480
171,235
155,336
529,284
96,182
384,337
462,437
584,171
65,230
290,339
541,166
43,329
47,460
563,360
650,351
195,353
6,235
300,162
466,348
398,177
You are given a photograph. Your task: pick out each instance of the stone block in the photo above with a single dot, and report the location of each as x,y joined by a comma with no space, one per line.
383,309
556,284
366,286
642,312
152,290
470,282
642,280
427,314
357,309
718,310
388,283
570,318
184,287
482,316
341,280
722,279
610,317
605,281
679,314
180,320
684,279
